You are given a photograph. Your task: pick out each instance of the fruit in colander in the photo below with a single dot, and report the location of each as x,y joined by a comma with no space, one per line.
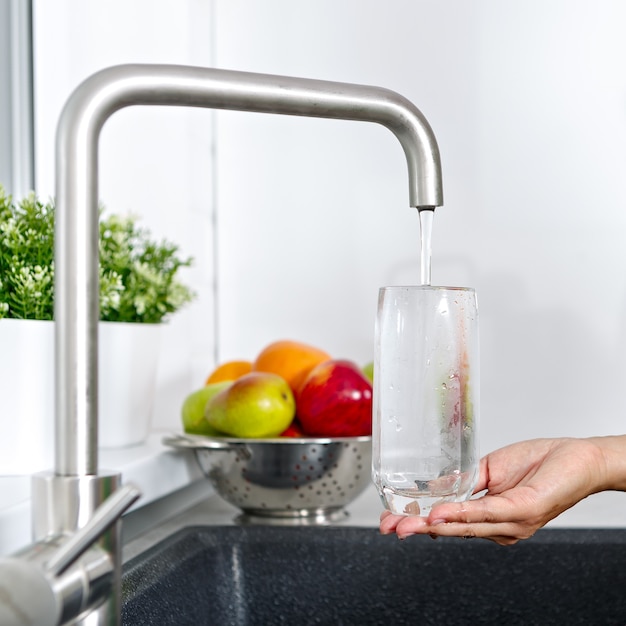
192,411
335,400
256,405
292,360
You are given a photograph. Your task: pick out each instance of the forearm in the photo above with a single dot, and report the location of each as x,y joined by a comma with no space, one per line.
613,462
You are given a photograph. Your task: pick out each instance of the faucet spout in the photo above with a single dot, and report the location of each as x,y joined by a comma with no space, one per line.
76,259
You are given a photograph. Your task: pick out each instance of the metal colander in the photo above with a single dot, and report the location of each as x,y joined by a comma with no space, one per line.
284,480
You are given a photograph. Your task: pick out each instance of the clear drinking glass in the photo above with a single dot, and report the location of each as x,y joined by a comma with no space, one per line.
426,397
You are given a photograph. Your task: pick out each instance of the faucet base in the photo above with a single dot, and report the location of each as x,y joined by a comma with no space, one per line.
63,504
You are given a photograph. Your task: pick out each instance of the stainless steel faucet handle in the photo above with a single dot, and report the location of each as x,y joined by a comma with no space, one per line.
33,589
27,596
104,517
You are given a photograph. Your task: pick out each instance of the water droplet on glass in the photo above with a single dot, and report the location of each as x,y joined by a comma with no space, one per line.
394,420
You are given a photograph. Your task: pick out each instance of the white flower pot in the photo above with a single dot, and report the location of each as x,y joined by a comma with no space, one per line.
26,396
127,367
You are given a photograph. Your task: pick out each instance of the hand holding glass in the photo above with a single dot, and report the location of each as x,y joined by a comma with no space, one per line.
426,397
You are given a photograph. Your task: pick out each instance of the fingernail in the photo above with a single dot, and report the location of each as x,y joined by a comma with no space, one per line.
437,522
403,537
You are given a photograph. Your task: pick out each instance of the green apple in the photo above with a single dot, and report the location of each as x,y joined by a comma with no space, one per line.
256,405
192,411
368,370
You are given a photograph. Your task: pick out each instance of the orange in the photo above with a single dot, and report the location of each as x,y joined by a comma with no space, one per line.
230,370
292,360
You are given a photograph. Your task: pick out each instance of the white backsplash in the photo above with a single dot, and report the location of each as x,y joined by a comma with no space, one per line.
154,162
526,100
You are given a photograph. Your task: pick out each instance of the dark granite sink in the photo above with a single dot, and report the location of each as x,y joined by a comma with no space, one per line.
353,576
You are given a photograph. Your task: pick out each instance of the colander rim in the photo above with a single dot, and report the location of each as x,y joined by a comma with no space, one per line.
187,440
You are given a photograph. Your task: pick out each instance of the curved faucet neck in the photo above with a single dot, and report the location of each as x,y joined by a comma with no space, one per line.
76,248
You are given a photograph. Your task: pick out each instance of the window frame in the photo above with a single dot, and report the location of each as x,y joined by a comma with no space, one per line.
17,169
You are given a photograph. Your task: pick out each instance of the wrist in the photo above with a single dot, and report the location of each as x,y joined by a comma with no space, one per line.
612,462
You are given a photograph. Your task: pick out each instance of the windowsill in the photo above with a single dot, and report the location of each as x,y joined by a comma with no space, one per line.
156,469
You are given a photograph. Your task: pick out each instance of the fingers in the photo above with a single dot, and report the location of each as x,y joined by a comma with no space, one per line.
488,509
466,512
498,518
489,517
411,523
504,533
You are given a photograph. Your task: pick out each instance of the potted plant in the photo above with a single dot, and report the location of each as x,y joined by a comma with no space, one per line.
138,276
139,289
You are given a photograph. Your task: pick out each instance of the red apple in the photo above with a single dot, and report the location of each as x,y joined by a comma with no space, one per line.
294,430
335,400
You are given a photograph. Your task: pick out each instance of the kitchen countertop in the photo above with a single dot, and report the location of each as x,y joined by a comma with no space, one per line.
364,511
176,494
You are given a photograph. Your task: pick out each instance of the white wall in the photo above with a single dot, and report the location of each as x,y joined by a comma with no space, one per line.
155,162
527,100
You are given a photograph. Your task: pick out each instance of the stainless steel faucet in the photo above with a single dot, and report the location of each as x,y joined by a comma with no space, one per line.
64,500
